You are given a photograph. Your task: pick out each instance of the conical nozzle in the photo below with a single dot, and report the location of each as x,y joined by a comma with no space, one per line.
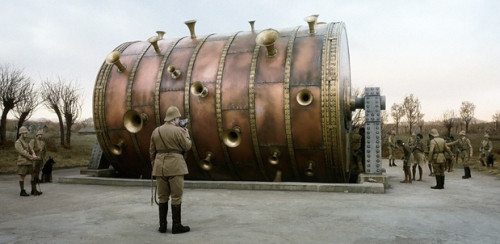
154,41
232,137
190,24
311,21
206,163
160,34
252,22
117,149
304,97
114,58
134,121
274,158
310,170
198,89
267,38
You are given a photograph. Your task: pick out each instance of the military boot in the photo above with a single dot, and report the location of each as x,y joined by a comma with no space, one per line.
177,226
163,210
465,174
414,168
34,191
438,180
441,185
468,173
23,193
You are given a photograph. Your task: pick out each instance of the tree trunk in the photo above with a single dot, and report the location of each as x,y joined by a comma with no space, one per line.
466,127
20,122
397,127
61,126
3,123
69,124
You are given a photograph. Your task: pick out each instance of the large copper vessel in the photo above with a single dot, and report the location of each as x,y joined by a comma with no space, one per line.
262,105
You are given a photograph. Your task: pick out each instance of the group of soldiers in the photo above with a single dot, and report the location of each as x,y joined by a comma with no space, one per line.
30,159
440,153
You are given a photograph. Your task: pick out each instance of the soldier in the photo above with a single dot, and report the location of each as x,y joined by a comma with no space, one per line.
38,146
450,157
436,156
392,146
168,144
464,148
485,150
419,156
24,161
407,160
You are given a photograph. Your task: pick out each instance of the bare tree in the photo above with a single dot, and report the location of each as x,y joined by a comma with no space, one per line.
496,120
411,106
397,114
52,98
25,108
467,113
448,120
13,83
71,107
358,116
420,119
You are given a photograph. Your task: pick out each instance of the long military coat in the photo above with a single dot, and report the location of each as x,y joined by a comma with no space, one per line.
24,151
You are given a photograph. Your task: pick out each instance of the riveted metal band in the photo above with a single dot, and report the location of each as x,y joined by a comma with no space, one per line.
218,104
158,80
325,104
99,104
187,93
334,124
251,111
286,100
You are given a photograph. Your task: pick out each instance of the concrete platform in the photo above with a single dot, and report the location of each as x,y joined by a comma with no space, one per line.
366,187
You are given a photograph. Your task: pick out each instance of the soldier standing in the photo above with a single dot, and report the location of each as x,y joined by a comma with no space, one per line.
436,156
464,148
485,150
24,161
392,146
419,156
168,144
38,146
407,160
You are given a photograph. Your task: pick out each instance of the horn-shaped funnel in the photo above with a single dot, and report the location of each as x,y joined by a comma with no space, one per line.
117,149
190,24
134,121
174,73
274,158
277,177
267,38
252,22
310,170
154,41
114,58
311,21
160,34
304,97
206,163
232,137
198,89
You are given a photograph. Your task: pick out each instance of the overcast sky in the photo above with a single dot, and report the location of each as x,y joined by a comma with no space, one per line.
444,52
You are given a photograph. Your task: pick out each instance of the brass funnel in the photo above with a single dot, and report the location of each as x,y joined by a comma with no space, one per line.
232,137
274,158
267,38
252,22
304,97
134,121
206,163
160,34
311,21
277,177
114,58
154,41
310,170
117,149
174,73
190,24
198,89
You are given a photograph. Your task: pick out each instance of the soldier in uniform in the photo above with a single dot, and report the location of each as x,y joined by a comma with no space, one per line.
418,155
168,144
38,146
437,148
24,161
407,160
392,146
450,157
464,148
485,150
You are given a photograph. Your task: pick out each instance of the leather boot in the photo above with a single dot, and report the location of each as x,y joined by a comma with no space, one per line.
441,183
465,173
163,210
437,183
414,168
177,226
420,173
34,191
468,173
23,193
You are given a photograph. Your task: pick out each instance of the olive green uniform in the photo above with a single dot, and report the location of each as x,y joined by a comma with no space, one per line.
24,163
437,149
39,148
485,149
464,148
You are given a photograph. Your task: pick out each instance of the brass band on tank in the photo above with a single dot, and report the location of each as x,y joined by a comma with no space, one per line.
325,103
334,98
286,99
218,104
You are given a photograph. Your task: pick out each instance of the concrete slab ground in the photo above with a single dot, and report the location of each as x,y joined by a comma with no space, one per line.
467,211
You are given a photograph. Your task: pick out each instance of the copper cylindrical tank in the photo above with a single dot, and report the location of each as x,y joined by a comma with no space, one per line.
253,116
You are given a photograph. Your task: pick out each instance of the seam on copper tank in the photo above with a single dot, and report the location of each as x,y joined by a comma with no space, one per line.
325,103
340,166
218,104
286,101
166,55
103,136
130,84
251,111
187,112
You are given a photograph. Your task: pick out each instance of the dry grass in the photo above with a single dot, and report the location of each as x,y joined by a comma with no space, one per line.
77,156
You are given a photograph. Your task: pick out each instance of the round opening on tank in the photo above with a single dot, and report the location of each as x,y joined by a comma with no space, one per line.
304,97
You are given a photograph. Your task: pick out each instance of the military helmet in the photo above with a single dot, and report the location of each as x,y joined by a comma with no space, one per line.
39,132
434,133
462,133
23,130
172,113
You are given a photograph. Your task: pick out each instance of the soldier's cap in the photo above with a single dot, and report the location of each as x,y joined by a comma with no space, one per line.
486,135
434,133
40,132
462,133
172,113
23,130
